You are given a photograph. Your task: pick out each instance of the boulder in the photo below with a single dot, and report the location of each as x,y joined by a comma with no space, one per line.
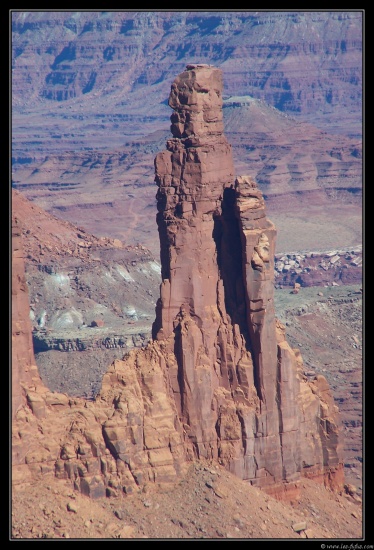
97,323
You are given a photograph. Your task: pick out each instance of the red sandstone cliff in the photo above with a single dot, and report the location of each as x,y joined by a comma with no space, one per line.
128,437
24,369
219,379
236,386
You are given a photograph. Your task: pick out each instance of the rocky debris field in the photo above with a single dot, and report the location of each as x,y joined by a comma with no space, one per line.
208,503
78,374
325,324
335,267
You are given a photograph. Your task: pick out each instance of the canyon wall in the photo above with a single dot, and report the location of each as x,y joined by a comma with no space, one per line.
121,56
219,379
78,77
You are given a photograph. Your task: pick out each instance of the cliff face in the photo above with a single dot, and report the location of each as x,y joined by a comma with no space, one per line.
219,380
133,421
299,61
24,370
78,77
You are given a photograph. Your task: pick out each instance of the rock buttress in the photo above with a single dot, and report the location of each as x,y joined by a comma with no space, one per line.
128,437
24,369
27,386
236,384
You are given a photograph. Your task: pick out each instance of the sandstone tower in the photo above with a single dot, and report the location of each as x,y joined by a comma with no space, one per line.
219,379
235,382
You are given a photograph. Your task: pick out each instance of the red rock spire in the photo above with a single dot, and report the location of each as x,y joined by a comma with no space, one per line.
236,385
219,379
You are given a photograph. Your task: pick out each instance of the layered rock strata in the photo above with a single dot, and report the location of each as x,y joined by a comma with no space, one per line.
219,379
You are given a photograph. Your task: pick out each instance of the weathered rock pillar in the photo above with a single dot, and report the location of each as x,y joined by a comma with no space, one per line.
219,379
235,380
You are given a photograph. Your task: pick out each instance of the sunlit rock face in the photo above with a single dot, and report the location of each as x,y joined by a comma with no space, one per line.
235,378
218,380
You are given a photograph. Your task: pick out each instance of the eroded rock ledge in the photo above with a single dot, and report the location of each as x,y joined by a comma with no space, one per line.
219,379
